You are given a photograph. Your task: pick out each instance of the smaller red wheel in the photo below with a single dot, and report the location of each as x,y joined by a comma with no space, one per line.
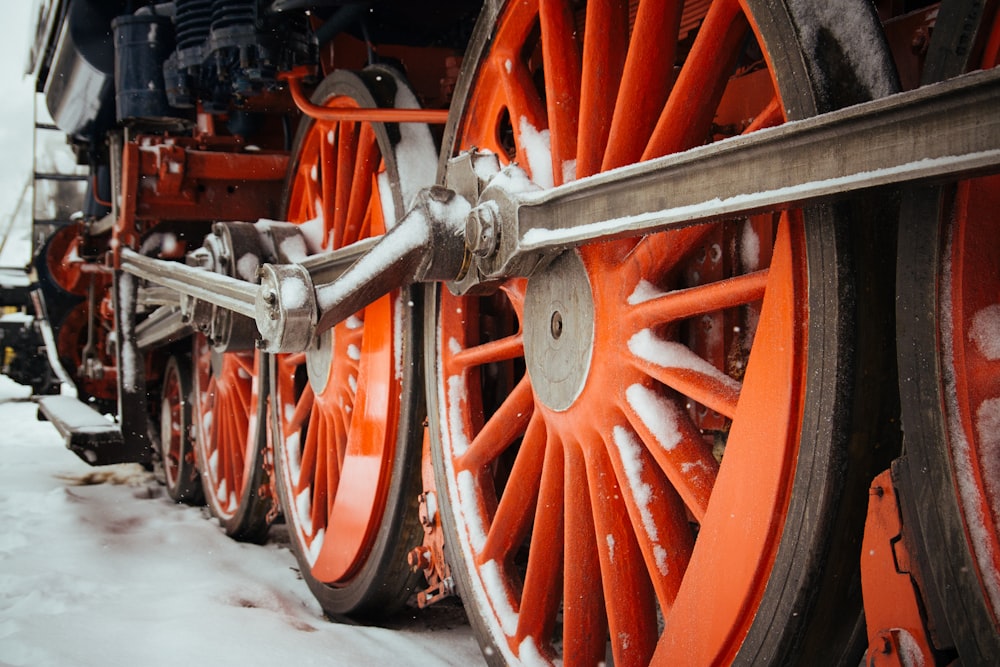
176,442
346,413
231,440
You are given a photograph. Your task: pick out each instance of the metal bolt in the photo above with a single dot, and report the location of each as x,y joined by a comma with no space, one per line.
271,299
481,229
556,325
419,558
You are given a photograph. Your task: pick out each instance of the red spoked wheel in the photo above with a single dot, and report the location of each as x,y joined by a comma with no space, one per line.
641,447
347,413
949,274
176,442
231,439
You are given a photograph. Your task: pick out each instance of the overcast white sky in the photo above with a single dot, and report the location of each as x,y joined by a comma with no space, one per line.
16,123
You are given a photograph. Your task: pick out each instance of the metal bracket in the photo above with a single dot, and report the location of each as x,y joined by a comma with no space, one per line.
892,607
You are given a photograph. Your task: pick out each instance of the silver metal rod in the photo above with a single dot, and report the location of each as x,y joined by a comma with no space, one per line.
940,132
164,325
215,288
326,267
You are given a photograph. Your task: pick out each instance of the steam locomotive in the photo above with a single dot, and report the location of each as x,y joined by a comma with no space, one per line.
659,332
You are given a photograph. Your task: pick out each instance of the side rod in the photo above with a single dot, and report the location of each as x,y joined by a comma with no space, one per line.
936,133
945,131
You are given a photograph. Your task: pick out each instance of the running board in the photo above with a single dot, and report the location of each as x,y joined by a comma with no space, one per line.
88,433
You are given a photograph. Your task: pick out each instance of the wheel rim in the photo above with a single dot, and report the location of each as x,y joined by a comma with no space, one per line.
338,404
177,450
171,425
970,335
949,390
701,330
228,386
970,324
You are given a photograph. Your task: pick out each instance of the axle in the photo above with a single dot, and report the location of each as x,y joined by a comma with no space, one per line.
936,133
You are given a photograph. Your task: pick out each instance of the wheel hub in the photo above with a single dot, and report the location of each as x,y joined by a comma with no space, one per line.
559,331
319,356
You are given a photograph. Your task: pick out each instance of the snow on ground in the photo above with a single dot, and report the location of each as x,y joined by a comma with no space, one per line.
98,567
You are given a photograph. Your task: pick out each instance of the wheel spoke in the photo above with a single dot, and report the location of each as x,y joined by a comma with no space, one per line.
505,349
360,195
542,591
527,113
631,608
676,445
342,422
245,363
507,423
327,168
585,622
657,255
308,192
770,116
520,96
319,509
513,515
311,460
676,366
657,513
562,82
661,307
347,146
228,434
646,80
687,115
604,52
303,406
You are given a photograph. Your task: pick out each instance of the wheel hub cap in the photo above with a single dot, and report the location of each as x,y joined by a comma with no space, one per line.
559,331
319,356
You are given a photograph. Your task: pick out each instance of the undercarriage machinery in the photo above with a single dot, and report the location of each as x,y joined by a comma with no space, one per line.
659,332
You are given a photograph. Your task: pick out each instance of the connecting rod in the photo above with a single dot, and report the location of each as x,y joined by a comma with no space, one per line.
290,306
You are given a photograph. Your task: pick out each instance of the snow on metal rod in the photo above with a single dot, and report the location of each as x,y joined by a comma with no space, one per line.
938,132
